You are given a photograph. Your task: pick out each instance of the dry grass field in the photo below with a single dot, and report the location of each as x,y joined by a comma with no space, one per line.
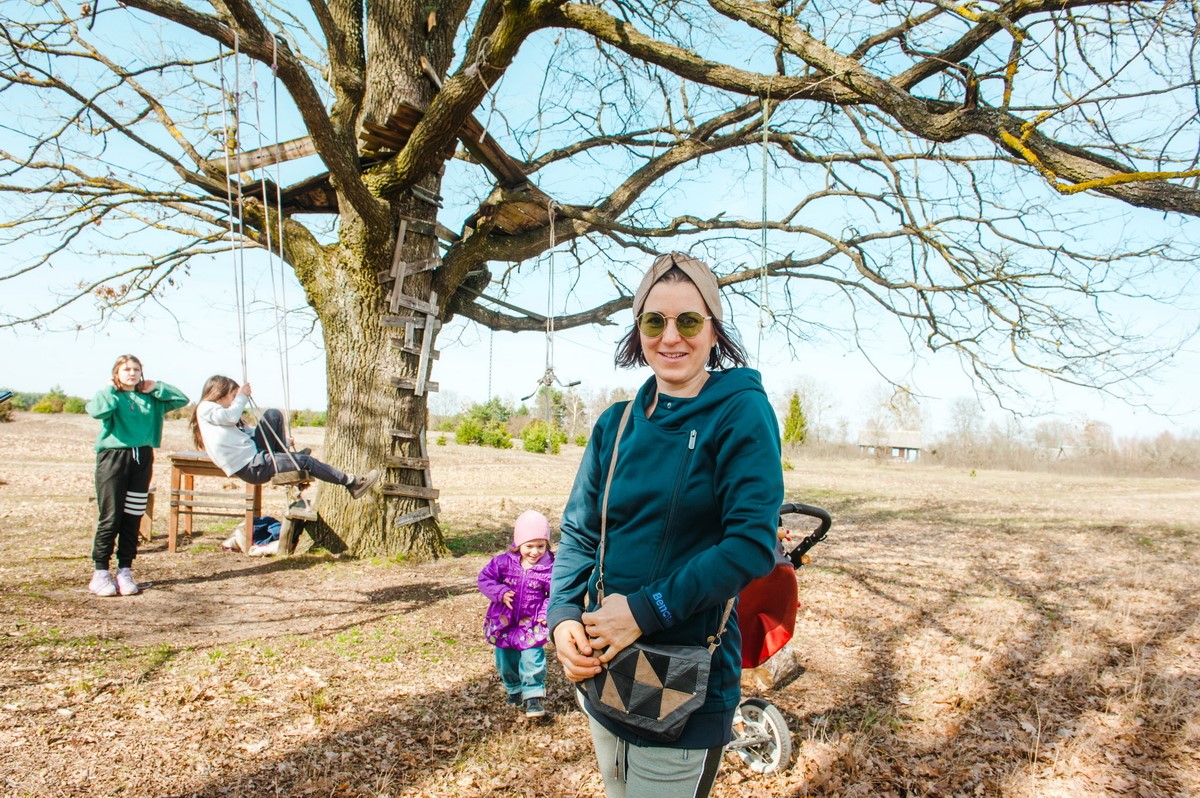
964,634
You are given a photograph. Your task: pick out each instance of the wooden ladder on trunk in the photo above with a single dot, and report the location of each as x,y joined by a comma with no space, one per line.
418,319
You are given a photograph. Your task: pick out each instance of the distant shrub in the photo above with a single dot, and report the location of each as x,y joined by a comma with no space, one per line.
309,418
537,437
178,413
52,402
441,440
468,431
74,404
581,440
497,437
472,431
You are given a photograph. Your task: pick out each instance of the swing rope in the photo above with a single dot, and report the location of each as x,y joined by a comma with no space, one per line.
549,377
230,120
550,206
764,309
277,290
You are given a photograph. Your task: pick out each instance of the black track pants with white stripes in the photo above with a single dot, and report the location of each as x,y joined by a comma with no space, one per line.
122,485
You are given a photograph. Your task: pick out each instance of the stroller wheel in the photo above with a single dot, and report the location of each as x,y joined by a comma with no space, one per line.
761,736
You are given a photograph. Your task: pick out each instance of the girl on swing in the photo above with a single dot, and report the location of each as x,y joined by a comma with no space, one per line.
255,454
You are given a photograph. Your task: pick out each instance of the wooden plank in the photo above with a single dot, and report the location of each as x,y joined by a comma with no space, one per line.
425,195
404,434
416,463
397,263
426,345
409,384
416,516
401,321
410,268
419,305
484,149
396,295
411,491
424,449
275,153
412,350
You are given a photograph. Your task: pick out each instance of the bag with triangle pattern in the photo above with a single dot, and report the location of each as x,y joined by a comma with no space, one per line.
653,689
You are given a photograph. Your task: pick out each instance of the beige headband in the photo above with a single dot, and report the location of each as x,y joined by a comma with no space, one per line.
696,270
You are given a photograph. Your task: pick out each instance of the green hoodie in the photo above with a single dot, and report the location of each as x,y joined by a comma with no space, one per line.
692,519
129,419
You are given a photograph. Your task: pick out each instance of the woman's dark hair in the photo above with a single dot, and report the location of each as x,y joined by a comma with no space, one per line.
215,387
726,352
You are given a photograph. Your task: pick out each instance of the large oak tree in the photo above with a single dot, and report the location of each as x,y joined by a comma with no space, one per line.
931,160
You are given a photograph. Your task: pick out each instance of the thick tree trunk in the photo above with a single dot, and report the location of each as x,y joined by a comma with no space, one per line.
365,407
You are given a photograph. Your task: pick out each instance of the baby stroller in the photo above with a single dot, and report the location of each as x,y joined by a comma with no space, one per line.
766,617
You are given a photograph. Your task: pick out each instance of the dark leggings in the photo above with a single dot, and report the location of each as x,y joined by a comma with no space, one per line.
270,437
122,485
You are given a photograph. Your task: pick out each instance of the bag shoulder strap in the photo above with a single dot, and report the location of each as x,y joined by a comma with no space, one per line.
713,641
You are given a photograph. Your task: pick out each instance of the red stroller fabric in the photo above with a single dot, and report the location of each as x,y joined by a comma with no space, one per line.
767,614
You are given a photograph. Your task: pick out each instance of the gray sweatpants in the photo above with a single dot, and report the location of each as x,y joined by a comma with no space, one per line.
632,771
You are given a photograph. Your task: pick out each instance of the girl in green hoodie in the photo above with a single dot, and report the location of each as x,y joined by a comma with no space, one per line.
131,412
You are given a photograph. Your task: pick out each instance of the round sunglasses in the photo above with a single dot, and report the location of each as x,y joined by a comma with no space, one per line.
653,324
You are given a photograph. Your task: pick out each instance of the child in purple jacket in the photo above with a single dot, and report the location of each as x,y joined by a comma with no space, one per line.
517,583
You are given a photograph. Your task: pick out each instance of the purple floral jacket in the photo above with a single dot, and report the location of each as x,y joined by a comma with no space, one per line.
523,626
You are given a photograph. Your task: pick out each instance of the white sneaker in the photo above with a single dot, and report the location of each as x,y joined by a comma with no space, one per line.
125,582
102,584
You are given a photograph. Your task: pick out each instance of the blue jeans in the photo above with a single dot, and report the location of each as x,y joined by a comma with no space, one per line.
523,672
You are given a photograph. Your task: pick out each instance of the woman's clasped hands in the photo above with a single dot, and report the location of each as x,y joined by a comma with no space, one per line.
582,646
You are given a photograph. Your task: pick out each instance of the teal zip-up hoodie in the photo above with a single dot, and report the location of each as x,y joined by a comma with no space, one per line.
692,519
129,419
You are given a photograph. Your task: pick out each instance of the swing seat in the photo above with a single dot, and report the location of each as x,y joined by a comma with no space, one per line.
291,477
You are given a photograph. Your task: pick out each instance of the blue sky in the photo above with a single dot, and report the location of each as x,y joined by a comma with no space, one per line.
192,332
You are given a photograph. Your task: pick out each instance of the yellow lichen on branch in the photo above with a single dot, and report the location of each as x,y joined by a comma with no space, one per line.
1119,178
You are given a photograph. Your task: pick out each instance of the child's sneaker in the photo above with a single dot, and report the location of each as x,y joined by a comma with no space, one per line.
102,584
514,699
362,484
534,708
125,583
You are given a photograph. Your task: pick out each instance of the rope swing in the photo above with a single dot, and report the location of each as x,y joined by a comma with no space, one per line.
764,308
231,119
549,378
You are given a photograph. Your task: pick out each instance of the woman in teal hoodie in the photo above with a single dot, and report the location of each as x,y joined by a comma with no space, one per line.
131,412
692,514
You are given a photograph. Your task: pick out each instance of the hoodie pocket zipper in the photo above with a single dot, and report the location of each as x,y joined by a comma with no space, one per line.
667,528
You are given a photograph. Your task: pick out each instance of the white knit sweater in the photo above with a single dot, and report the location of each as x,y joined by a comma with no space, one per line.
229,446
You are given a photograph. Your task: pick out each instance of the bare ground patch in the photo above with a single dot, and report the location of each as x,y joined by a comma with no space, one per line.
1004,634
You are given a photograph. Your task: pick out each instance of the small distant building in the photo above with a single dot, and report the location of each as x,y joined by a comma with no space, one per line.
904,445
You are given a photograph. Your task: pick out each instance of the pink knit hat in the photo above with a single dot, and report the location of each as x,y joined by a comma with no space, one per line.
531,525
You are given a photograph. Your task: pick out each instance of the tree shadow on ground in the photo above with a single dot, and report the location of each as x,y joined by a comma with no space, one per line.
1103,722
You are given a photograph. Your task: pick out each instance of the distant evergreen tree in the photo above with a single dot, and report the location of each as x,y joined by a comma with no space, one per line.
795,426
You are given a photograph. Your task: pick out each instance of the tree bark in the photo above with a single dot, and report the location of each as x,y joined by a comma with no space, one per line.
364,405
